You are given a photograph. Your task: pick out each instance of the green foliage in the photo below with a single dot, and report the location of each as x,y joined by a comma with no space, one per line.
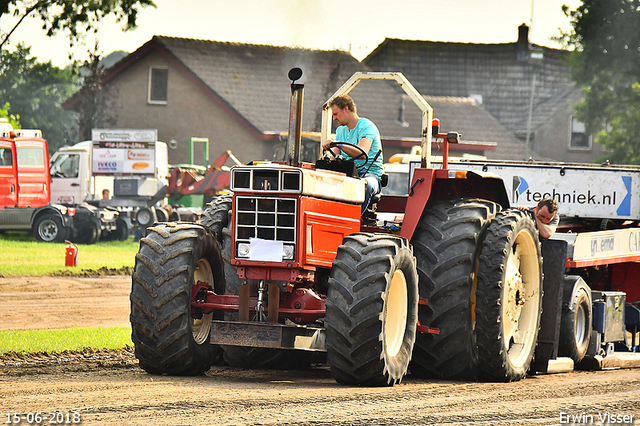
622,129
35,91
22,255
13,119
69,339
606,63
74,16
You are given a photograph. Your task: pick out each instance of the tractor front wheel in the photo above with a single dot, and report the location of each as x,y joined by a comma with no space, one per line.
372,310
169,336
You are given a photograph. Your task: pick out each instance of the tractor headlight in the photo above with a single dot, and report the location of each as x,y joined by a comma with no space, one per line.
244,249
288,252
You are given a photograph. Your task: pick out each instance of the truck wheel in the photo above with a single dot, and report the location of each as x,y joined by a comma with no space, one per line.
162,214
372,310
89,234
508,297
145,217
48,228
447,245
170,337
122,230
575,327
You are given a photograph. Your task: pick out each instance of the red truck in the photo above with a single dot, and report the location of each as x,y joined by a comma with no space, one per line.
25,192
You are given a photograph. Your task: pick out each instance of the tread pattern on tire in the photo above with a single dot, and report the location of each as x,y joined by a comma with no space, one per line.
495,364
216,215
216,218
446,243
355,304
160,299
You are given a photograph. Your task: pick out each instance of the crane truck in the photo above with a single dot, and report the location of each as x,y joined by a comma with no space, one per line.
284,269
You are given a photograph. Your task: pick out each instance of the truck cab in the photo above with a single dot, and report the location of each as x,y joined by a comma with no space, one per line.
25,193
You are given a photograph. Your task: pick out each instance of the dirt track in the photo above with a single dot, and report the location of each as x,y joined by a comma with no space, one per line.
110,389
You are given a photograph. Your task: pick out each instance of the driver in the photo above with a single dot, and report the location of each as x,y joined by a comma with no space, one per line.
360,131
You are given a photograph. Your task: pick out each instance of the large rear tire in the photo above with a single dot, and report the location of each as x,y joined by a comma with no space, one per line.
508,297
447,245
575,327
372,310
169,338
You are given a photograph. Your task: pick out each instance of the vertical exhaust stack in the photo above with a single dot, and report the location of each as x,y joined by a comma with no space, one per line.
294,141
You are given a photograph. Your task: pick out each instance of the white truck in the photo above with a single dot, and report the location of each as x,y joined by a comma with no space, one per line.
129,163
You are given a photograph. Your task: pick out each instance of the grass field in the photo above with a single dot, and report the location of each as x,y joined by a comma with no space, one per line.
22,255
70,339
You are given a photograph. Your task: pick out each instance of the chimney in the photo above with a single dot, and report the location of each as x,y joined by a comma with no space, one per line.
522,45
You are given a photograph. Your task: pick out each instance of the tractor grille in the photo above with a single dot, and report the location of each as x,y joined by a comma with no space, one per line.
267,218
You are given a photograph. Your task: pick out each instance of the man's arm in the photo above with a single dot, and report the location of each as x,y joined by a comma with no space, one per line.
352,152
546,230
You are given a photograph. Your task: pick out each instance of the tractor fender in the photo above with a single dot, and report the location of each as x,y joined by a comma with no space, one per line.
430,185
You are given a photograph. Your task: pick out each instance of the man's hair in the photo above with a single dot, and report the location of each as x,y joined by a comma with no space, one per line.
342,102
551,204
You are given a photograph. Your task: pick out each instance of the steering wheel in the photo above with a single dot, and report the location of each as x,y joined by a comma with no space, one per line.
362,151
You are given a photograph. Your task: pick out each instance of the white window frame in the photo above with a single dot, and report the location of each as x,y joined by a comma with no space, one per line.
156,101
573,118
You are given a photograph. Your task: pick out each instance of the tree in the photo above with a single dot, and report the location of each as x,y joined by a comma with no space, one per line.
624,128
76,16
35,91
14,120
606,63
97,106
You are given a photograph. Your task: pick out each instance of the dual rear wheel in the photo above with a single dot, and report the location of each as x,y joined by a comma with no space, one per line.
481,274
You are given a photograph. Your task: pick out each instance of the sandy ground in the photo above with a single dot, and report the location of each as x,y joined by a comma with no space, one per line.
62,302
108,388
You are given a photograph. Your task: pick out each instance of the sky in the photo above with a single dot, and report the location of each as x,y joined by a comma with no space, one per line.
358,26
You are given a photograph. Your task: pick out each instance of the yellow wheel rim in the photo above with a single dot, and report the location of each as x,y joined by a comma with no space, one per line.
521,298
202,326
396,313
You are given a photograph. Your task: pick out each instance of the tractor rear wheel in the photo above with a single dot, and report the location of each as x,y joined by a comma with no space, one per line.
575,327
170,337
447,245
372,310
508,297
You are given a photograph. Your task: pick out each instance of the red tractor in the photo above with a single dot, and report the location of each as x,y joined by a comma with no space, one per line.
284,269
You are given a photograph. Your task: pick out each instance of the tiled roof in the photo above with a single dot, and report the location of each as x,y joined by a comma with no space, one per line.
252,79
494,71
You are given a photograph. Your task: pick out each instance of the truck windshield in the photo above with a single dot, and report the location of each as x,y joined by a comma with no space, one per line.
5,157
30,156
66,166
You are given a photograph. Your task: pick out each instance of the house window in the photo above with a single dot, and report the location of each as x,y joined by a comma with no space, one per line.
579,138
158,78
